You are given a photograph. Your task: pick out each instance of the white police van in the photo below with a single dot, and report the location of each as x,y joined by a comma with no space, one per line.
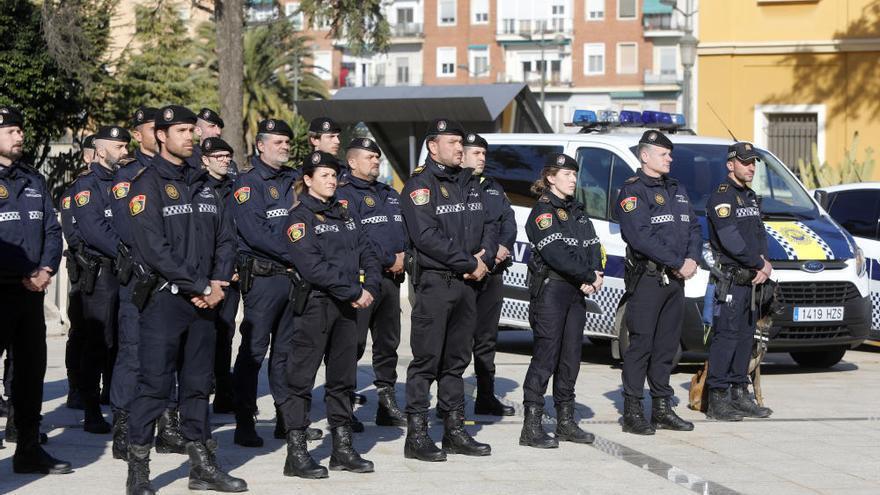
822,273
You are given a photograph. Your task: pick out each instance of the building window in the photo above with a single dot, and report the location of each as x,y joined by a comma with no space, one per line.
594,59
323,65
322,23
479,11
291,11
402,64
446,62
627,9
478,62
627,58
595,10
557,18
446,13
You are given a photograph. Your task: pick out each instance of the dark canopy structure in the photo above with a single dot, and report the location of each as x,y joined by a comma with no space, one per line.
397,116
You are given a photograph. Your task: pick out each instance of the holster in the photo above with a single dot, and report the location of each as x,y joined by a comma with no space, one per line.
411,266
73,269
245,274
144,285
298,294
633,270
536,278
89,266
124,264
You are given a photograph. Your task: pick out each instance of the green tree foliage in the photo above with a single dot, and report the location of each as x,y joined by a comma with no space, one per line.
360,22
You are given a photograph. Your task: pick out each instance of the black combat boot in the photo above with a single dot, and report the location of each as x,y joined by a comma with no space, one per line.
456,440
567,428
487,404
533,434
344,457
634,417
169,440
388,413
204,471
418,444
74,397
94,421
742,401
29,457
245,430
663,417
299,462
138,482
720,408
120,434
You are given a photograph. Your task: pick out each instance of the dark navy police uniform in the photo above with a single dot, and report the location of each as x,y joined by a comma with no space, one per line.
74,346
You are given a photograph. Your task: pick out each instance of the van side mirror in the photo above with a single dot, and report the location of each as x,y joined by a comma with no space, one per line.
821,198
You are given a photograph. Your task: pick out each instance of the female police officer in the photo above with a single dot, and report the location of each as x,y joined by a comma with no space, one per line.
566,264
333,257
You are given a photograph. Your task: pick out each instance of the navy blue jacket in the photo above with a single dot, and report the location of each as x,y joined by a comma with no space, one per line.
91,209
30,236
119,194
376,207
177,226
563,238
68,223
261,201
735,228
499,209
657,220
445,218
329,249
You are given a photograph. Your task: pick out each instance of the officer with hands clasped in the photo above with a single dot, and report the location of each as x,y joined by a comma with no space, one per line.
664,241
566,265
338,274
737,235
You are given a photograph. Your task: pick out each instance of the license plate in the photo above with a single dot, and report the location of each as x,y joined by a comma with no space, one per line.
826,313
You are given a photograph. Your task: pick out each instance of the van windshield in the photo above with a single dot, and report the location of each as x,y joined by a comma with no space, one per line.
701,167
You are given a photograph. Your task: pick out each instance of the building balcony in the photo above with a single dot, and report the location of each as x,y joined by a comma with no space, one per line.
353,80
662,26
533,29
407,32
663,78
533,79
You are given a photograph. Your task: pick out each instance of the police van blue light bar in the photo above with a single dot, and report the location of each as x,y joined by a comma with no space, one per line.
608,117
606,120
631,118
679,120
584,117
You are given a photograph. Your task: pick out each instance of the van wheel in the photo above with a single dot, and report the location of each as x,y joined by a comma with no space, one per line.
819,359
623,336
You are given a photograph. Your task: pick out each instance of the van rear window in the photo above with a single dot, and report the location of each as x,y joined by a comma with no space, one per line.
516,167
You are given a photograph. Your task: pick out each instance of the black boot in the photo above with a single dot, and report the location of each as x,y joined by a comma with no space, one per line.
344,457
533,434
456,440
418,444
169,440
567,428
356,425
663,417
359,399
29,457
487,404
246,431
388,413
11,433
720,408
299,462
634,417
138,482
742,401
94,420
120,435
204,471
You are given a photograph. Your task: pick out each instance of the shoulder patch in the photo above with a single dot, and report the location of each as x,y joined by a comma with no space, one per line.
420,196
65,203
137,204
722,210
242,194
344,203
629,204
296,232
544,221
82,197
631,180
120,189
723,187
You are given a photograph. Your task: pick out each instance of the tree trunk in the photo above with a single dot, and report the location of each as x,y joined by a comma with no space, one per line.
230,56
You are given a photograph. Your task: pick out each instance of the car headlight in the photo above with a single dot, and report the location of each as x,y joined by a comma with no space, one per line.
708,256
861,264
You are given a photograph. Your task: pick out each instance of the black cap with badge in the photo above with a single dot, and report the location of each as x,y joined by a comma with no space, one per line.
174,114
475,141
319,159
444,126
144,115
211,116
742,151
10,116
324,125
365,144
212,145
113,133
88,142
275,126
560,160
656,138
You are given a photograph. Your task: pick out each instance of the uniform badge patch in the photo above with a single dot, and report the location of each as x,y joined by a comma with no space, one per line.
739,201
562,214
274,192
120,190
242,194
544,221
722,210
82,198
659,199
629,204
171,191
65,203
369,201
137,204
420,197
723,187
444,192
4,193
344,203
296,232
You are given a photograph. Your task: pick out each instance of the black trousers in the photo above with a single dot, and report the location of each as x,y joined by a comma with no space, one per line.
326,331
733,334
653,317
100,313
23,333
171,327
125,371
489,302
382,320
225,325
557,316
73,349
268,318
442,333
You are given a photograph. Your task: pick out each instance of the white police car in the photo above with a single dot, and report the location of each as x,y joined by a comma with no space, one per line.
822,273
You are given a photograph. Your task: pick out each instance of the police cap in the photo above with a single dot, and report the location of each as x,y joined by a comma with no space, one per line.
113,133
560,160
275,126
174,114
324,125
444,126
10,116
364,144
212,145
211,116
319,159
656,138
742,151
144,115
475,141
88,142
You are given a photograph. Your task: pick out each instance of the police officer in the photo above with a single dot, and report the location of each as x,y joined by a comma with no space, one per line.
453,244
489,297
331,253
187,250
375,206
216,158
664,242
88,150
263,195
324,136
737,235
30,252
97,253
208,125
565,265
